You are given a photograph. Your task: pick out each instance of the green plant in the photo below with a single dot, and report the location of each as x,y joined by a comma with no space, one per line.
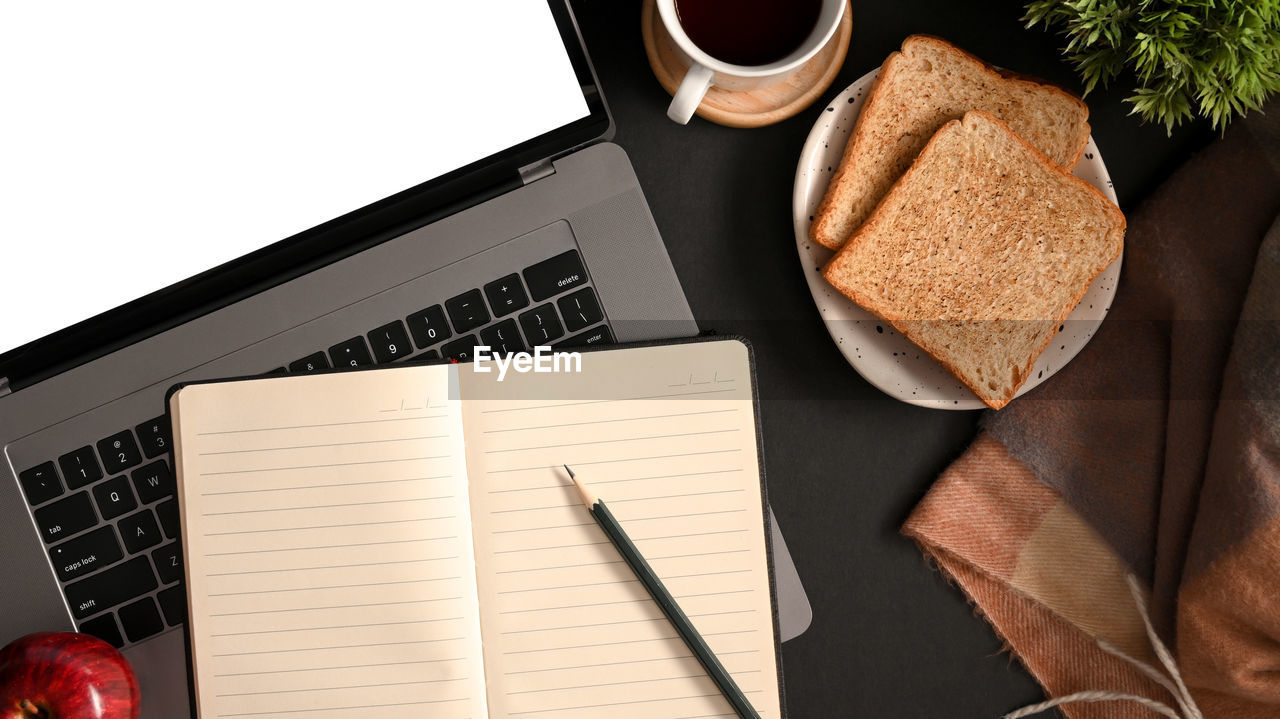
1215,58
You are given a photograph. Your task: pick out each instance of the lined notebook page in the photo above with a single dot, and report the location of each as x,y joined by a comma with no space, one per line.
666,436
328,547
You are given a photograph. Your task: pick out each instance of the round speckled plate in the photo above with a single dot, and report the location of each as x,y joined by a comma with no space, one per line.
886,359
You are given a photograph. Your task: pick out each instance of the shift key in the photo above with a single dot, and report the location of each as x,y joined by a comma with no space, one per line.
114,586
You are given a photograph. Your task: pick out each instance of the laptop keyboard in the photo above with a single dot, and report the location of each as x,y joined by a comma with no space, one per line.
107,512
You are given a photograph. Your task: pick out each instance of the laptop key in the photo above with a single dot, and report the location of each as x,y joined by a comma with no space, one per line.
40,483
352,353
114,497
506,295
597,336
87,553
558,274
141,619
429,326
460,349
65,517
153,481
580,309
502,338
540,324
173,602
119,452
168,561
113,586
390,342
467,311
139,531
80,467
310,363
104,628
168,512
155,436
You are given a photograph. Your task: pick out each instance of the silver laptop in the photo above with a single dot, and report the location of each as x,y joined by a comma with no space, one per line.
441,179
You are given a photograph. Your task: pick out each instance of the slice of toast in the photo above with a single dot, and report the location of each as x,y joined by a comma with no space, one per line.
927,83
979,252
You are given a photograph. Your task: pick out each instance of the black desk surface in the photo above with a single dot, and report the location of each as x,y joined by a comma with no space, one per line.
846,464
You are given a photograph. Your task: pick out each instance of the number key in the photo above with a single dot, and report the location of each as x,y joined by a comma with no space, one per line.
119,452
352,353
310,363
80,467
390,342
429,326
155,437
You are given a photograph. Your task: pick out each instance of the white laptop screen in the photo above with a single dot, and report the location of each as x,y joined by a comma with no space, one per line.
146,141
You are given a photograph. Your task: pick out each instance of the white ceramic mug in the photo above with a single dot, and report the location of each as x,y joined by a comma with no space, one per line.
705,71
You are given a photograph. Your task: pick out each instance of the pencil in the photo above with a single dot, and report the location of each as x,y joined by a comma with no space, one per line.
665,601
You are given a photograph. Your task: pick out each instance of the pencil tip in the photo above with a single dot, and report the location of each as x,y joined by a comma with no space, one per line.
588,498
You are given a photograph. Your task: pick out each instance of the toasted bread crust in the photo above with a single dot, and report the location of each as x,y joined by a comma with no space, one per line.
820,230
832,271
835,200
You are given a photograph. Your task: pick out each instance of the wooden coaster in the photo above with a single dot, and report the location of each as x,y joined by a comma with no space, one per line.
754,108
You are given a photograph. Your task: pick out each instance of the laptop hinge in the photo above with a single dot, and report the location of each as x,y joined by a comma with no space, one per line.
536,171
4,386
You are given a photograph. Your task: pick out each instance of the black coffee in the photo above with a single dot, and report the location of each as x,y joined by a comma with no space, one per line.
748,32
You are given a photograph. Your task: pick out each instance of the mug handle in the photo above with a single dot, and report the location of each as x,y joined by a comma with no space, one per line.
691,91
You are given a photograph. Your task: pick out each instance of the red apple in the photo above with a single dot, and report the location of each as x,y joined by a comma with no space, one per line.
62,675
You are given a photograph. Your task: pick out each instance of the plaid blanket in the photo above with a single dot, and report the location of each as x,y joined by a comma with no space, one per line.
1154,454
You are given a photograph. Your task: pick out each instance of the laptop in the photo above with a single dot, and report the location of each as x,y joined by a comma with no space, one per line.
191,193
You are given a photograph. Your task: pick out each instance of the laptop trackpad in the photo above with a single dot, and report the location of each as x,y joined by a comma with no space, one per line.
162,675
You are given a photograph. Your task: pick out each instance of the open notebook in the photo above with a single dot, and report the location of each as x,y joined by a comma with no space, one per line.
403,540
